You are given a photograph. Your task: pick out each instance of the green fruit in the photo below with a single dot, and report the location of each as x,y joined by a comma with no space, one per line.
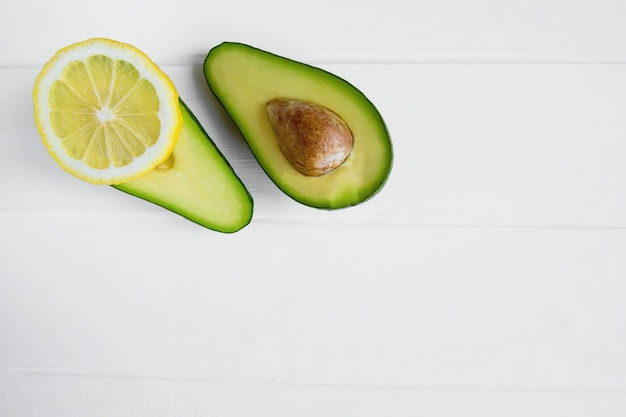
196,182
285,111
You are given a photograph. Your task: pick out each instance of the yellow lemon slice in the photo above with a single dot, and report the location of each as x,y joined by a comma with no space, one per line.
106,113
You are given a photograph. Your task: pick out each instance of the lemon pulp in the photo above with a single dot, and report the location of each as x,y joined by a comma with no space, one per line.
106,113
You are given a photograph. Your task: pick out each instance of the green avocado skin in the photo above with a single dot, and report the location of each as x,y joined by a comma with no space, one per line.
243,79
200,185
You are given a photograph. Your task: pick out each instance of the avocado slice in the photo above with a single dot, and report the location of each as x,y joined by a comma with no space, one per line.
245,79
196,182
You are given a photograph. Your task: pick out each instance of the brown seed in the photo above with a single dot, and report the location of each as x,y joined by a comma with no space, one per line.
313,139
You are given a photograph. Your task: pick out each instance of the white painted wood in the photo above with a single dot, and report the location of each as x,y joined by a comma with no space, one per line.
400,305
36,393
486,278
328,30
474,144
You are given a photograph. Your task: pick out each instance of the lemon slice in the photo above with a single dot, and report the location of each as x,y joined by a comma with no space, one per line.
106,113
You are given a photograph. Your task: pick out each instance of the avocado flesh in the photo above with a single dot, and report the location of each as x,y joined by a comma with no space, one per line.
199,185
244,79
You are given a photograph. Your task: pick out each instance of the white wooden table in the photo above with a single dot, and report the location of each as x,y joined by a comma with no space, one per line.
488,278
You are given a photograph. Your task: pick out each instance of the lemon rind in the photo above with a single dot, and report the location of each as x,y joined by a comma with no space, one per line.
169,110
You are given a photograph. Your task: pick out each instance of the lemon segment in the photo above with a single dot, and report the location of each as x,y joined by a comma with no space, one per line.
106,113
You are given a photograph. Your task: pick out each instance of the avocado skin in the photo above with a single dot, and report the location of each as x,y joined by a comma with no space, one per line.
201,185
334,190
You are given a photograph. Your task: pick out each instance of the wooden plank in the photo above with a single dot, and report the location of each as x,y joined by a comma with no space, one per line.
329,31
415,306
538,145
58,395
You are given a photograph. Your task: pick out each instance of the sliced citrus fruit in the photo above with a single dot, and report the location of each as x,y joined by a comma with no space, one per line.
106,113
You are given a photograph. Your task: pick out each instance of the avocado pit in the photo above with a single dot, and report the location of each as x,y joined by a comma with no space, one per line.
314,139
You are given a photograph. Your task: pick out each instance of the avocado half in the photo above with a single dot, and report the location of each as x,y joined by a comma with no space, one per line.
196,182
244,79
